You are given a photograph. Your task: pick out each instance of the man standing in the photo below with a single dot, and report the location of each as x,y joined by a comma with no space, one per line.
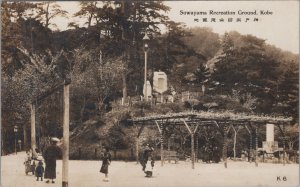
51,154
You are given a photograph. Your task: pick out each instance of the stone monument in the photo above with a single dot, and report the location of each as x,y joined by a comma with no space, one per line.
160,84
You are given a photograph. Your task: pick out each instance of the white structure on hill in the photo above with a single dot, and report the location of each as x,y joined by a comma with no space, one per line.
160,83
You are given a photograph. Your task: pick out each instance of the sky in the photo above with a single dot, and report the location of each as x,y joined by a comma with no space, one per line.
278,24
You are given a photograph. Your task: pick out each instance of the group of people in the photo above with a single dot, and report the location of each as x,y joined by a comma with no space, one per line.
53,152
146,160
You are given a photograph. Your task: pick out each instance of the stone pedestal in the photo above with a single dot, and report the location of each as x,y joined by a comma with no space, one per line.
149,90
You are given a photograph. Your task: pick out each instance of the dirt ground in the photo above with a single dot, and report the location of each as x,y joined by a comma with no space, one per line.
129,174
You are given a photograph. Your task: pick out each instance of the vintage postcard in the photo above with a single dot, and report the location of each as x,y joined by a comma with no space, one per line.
149,93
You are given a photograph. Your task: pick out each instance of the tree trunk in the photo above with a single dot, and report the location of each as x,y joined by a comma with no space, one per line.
90,20
47,15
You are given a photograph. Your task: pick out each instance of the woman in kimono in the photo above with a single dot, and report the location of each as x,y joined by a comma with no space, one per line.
106,160
51,154
147,152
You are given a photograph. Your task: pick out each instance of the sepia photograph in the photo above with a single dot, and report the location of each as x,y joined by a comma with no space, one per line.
149,93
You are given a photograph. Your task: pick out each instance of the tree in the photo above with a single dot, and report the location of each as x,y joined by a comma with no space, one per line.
87,9
123,25
94,80
204,41
287,91
116,139
19,30
247,66
292,132
19,10
48,11
34,78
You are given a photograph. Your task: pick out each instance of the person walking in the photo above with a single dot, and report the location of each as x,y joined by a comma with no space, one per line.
52,153
147,152
106,160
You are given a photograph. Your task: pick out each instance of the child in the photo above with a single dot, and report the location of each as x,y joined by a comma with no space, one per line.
105,163
149,167
39,171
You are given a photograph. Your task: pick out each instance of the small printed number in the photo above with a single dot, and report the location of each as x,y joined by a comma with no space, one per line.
281,178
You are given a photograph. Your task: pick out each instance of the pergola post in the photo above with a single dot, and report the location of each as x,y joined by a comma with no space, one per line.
250,148
160,129
197,145
33,135
234,140
65,166
192,133
169,148
137,149
161,145
283,133
256,146
192,150
225,128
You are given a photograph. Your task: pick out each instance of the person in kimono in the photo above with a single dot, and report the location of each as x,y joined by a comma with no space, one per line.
52,153
106,160
149,166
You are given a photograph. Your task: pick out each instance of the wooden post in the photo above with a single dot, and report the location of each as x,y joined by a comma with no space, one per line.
256,146
161,145
250,148
65,165
192,142
169,148
160,129
197,147
25,137
137,149
33,136
225,145
192,151
283,132
234,142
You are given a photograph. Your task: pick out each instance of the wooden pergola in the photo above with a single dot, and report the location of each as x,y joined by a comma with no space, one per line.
221,121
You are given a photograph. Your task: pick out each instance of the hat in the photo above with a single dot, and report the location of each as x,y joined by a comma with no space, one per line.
54,139
40,158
